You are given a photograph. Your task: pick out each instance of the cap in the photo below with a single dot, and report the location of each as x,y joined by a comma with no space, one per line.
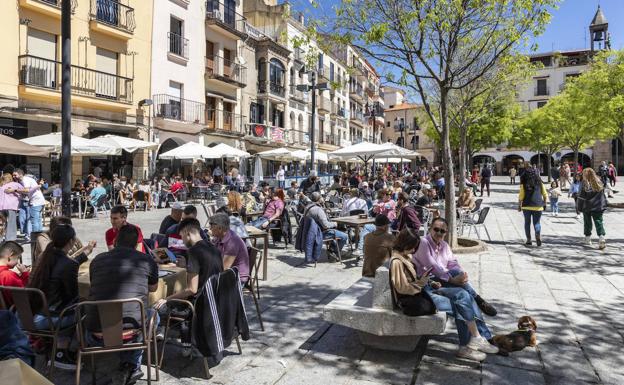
364,184
381,220
177,206
315,196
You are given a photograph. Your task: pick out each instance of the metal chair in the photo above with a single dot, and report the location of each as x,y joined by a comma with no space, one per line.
209,210
472,224
25,301
254,265
110,315
139,198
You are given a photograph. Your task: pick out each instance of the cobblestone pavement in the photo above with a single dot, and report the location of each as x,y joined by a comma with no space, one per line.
574,292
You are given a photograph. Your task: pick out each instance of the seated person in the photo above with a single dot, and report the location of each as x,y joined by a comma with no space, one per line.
145,188
174,239
98,192
135,276
272,210
336,186
231,246
315,209
123,190
235,203
119,218
12,272
415,295
434,252
355,202
367,194
310,184
43,240
377,246
174,217
424,202
407,215
292,191
385,205
56,275
177,187
466,200
236,224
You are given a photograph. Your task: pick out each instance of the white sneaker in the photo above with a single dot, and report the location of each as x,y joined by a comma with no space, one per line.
556,214
578,216
482,345
587,241
469,354
601,242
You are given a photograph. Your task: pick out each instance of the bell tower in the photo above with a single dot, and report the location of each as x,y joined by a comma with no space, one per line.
599,32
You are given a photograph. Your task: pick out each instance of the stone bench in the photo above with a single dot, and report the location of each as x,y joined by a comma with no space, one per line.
366,306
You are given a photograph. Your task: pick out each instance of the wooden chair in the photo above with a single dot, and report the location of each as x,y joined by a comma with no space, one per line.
110,315
25,301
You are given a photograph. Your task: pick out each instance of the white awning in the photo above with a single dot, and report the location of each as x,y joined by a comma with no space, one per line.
79,146
191,150
125,143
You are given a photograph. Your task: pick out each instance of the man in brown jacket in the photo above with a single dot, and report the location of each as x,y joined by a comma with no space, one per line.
377,246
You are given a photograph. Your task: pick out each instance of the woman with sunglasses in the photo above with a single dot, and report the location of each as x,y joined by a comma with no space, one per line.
434,252
416,295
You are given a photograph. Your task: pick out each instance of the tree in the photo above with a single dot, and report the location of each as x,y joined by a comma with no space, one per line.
438,47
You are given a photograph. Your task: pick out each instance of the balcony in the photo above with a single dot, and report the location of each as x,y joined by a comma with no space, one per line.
47,7
334,110
357,118
299,54
323,73
358,68
112,18
342,113
371,90
224,18
41,78
176,108
275,89
267,133
331,139
178,48
356,92
297,94
323,106
226,71
224,122
541,91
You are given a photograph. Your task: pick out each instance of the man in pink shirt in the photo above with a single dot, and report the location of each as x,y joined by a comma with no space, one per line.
433,252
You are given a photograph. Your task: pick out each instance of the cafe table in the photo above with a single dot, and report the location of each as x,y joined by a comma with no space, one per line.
354,221
256,234
171,279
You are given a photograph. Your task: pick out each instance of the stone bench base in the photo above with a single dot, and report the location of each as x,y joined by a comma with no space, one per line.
395,343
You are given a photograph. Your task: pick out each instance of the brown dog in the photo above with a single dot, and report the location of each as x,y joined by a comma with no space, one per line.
526,335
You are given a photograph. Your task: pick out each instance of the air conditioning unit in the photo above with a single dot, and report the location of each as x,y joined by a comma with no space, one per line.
169,111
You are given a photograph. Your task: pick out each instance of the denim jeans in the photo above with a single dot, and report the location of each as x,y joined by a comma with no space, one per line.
281,184
367,229
132,357
257,223
536,215
554,205
35,218
341,237
11,227
468,287
24,215
460,305
41,321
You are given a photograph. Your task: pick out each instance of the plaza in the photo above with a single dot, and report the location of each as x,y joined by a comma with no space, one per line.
573,292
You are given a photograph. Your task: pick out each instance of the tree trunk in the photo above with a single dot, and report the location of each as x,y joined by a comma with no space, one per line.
449,175
576,160
548,157
463,151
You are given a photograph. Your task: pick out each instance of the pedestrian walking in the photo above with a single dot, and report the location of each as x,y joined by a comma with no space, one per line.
554,193
281,177
532,201
486,174
592,203
612,174
603,173
575,187
564,176
512,174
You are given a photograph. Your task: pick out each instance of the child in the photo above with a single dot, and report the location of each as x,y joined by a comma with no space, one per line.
554,193
12,272
573,192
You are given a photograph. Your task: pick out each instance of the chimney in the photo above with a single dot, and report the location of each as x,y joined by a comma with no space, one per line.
301,18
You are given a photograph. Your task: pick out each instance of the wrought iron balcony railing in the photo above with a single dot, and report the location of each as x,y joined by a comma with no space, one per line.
113,13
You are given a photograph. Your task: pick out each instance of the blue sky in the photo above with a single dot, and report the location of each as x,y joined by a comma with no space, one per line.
569,27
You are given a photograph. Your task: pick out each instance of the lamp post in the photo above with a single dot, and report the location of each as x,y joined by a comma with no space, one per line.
152,158
307,88
66,108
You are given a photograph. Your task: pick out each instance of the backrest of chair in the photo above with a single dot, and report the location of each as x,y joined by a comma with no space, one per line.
101,200
482,215
140,196
110,315
297,215
356,212
477,205
24,302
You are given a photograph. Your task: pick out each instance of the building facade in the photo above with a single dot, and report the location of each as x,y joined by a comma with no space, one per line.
111,50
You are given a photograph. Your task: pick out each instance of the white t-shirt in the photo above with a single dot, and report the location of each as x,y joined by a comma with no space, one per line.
280,174
354,203
36,196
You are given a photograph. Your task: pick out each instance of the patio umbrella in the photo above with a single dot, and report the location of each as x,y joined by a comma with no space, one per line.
364,151
9,145
278,154
305,155
227,151
124,143
398,151
191,150
79,146
258,173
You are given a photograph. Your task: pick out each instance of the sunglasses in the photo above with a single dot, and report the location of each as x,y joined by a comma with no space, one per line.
438,230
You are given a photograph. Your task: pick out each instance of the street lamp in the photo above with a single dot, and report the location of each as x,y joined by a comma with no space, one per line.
152,160
307,88
66,108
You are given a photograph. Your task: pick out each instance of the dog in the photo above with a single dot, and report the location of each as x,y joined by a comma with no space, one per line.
526,335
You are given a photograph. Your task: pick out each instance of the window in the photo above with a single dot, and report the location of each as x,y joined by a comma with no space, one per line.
415,124
415,141
176,39
320,60
256,113
331,72
541,88
41,69
105,64
277,117
388,123
173,110
276,76
541,104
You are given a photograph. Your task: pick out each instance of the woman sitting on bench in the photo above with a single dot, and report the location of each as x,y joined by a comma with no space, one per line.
417,296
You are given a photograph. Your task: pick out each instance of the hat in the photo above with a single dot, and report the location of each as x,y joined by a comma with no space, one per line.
364,184
177,206
381,220
315,196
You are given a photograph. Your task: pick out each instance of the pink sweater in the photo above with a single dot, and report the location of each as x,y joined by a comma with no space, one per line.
440,257
9,201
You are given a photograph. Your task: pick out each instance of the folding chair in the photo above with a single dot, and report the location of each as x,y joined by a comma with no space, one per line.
110,315
24,305
480,222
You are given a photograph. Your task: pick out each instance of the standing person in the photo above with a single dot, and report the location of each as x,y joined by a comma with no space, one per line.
573,192
612,174
486,174
281,177
9,204
532,201
36,201
474,175
554,193
310,184
512,174
603,172
592,203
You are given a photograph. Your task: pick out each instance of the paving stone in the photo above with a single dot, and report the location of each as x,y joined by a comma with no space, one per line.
502,375
566,361
431,374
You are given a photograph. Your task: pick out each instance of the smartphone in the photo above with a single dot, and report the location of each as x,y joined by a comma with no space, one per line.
428,271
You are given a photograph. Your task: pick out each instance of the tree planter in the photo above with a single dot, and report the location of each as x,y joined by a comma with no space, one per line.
469,246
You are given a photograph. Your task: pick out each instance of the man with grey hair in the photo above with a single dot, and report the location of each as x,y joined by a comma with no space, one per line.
231,246
310,184
316,211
